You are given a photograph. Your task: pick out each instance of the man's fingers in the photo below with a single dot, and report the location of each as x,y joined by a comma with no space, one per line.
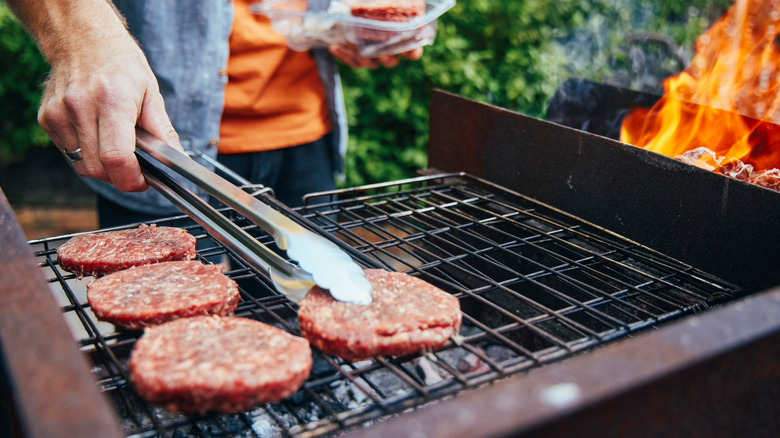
120,163
57,124
389,61
154,119
78,101
414,54
116,139
350,55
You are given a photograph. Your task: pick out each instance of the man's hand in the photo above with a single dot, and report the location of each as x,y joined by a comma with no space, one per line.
100,87
349,54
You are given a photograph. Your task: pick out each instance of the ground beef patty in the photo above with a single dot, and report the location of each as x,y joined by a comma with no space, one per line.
388,10
385,10
407,315
103,253
148,295
218,364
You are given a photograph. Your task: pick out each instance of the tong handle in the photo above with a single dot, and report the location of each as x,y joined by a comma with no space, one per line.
258,212
286,277
329,266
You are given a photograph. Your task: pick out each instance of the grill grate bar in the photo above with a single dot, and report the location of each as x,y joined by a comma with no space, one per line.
591,254
600,256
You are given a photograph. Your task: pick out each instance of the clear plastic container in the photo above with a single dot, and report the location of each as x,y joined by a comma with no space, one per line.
307,24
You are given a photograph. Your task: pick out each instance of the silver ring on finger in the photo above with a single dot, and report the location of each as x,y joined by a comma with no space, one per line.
73,156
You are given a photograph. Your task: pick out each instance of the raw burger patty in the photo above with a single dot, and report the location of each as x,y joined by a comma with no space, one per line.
103,253
386,10
389,10
218,364
407,315
148,295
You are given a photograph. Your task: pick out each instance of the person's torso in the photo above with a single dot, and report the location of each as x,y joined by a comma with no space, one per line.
274,96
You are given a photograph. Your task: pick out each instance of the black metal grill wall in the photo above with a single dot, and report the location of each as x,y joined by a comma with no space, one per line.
721,225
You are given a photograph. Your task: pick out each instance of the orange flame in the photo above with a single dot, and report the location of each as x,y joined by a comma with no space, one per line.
727,100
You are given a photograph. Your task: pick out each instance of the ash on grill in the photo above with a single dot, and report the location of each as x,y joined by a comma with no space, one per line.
536,285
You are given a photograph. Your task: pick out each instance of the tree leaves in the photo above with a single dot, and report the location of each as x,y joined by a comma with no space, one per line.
20,89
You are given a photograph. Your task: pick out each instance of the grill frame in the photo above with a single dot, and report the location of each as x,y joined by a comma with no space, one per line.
719,351
62,371
519,268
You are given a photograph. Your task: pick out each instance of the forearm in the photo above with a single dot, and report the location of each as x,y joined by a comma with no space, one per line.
99,89
64,28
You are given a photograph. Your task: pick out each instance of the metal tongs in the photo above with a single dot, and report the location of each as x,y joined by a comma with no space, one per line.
320,261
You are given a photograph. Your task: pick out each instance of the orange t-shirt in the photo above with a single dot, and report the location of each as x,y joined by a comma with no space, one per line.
274,97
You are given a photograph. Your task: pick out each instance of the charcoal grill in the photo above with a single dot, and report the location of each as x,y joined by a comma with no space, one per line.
569,326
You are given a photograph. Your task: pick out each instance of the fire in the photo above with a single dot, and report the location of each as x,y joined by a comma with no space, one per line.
723,111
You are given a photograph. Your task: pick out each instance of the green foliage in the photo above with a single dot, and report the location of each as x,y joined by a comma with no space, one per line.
23,71
513,54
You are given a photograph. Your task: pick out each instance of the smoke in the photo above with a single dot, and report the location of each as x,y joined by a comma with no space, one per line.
635,45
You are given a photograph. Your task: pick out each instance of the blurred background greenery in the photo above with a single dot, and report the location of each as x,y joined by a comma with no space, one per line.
509,53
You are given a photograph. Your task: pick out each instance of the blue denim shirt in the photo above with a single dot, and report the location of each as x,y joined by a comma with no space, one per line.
186,44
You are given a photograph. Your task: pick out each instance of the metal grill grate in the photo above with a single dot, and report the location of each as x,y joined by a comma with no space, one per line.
536,285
